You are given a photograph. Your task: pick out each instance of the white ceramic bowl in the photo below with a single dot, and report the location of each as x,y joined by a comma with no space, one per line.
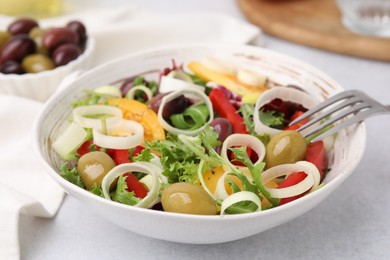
40,86
196,229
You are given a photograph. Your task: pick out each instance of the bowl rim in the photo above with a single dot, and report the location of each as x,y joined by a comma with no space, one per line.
361,129
88,52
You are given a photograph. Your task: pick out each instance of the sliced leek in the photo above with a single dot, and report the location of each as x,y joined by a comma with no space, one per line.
242,140
299,188
131,93
200,95
240,196
191,118
91,116
179,74
220,190
109,90
124,135
144,167
285,94
311,182
169,84
201,179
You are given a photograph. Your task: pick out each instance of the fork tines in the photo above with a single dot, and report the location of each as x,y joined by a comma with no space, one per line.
359,105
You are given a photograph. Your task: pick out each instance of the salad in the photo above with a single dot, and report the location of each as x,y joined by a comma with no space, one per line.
207,138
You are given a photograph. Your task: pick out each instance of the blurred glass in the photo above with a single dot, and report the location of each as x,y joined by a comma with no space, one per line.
31,8
367,17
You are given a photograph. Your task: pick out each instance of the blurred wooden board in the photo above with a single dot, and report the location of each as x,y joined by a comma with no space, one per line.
315,23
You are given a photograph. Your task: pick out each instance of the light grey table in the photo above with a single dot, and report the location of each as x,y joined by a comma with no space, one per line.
353,223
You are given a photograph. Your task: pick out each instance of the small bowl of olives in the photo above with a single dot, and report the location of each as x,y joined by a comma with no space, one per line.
166,222
34,59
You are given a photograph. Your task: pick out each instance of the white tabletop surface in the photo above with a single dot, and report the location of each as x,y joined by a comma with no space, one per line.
353,223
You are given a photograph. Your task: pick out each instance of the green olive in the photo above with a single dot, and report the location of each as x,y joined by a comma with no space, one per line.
35,63
36,34
182,197
4,37
285,147
93,166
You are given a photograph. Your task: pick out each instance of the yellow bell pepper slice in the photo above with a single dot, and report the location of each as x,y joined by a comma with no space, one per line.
229,81
137,111
211,178
264,202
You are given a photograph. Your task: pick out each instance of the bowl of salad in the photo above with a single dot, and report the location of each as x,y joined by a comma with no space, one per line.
193,143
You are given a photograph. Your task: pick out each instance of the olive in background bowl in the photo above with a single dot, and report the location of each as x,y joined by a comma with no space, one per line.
34,60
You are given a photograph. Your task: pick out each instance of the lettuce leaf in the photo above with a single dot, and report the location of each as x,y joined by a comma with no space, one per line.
71,175
273,119
144,156
242,207
97,190
247,110
241,155
178,161
139,95
122,195
91,98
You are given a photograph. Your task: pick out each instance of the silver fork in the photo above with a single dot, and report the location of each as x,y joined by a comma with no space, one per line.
350,102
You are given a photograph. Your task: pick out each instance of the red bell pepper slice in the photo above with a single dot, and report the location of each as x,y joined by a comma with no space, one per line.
292,179
316,154
134,185
120,156
123,156
251,154
225,109
86,148
137,150
299,124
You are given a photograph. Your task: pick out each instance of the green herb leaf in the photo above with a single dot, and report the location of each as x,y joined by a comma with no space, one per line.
139,81
139,94
273,119
179,161
265,138
91,98
209,137
71,175
97,190
245,183
122,195
246,110
189,172
242,207
191,118
196,80
241,155
144,156
233,185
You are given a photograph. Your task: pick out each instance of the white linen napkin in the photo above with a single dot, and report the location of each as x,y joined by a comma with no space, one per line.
153,31
24,186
